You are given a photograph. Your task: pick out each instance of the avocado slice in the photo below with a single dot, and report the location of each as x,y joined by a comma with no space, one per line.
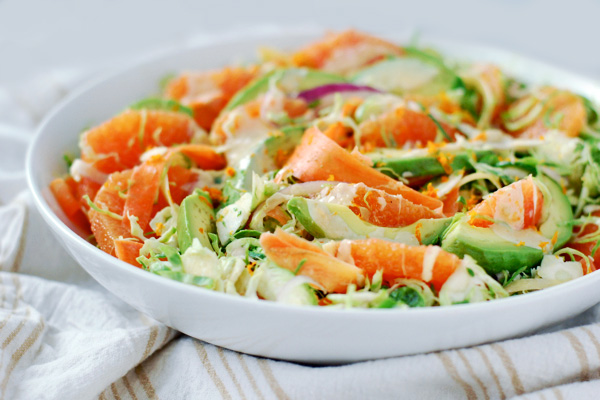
495,253
415,72
261,160
272,286
196,219
410,164
337,222
291,80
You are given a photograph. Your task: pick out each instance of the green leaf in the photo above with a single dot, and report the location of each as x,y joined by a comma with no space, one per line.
245,233
172,255
590,110
164,81
154,103
439,126
214,242
68,159
470,101
407,295
190,279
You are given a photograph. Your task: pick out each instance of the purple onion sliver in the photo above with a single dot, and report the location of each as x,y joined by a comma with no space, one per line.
318,92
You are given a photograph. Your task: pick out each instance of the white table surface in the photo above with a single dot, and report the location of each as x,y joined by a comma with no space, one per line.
41,35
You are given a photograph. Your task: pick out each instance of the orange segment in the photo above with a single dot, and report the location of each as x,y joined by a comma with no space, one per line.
341,134
64,193
128,251
398,127
289,252
397,260
451,204
344,52
518,204
318,158
207,93
118,143
205,157
143,191
561,110
64,196
106,228
181,181
388,210
248,117
87,186
587,247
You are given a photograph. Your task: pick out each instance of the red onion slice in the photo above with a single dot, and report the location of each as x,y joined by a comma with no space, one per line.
318,92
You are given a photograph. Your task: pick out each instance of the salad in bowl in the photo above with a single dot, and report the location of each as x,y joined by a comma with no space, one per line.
351,173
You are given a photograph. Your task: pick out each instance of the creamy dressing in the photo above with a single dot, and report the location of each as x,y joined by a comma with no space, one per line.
243,133
155,151
344,224
233,217
469,282
383,204
344,60
81,169
453,181
344,252
555,268
429,260
201,88
414,74
525,237
342,194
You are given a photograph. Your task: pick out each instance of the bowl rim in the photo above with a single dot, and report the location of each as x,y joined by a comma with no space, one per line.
62,229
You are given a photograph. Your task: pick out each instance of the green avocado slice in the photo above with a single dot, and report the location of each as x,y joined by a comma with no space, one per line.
274,279
402,163
495,253
416,72
261,160
196,219
337,222
291,80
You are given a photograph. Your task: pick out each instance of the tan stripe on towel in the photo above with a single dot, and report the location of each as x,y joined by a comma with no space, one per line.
145,381
473,374
18,354
115,391
102,397
168,335
18,289
129,388
558,394
451,369
11,336
151,341
21,250
490,368
210,369
230,372
2,292
250,376
581,356
271,380
594,340
510,368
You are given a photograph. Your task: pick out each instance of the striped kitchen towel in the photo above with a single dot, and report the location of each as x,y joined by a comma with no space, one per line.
62,336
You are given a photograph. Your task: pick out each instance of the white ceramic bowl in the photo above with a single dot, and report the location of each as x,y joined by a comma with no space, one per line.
306,334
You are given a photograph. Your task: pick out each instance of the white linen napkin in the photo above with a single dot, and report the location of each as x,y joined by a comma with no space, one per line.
63,336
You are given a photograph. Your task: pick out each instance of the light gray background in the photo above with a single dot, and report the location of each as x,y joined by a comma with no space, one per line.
41,35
